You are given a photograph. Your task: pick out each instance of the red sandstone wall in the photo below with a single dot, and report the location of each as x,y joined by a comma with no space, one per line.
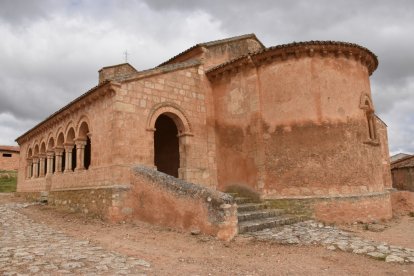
135,102
402,202
9,163
296,128
386,167
403,178
117,73
221,53
366,209
179,205
99,114
314,128
238,142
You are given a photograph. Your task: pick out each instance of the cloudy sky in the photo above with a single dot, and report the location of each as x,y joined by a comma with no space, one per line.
50,50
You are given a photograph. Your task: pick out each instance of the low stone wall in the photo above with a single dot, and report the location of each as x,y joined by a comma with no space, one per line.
153,197
402,202
339,209
30,196
161,199
95,202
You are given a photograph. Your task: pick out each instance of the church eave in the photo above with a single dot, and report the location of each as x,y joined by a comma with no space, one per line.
81,101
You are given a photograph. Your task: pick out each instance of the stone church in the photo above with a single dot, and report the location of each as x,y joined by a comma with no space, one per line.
292,122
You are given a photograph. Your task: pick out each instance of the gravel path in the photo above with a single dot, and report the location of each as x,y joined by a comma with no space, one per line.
29,248
311,232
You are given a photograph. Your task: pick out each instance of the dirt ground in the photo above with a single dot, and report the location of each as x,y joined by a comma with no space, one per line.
171,252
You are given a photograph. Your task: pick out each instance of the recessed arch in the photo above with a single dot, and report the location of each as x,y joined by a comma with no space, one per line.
43,147
60,140
368,108
174,112
365,102
83,135
29,152
83,130
36,150
68,126
166,146
50,143
80,126
70,135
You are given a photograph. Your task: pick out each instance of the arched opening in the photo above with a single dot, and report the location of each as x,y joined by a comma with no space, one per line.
369,113
74,158
29,172
42,160
59,161
62,168
87,159
166,146
70,151
50,168
83,135
36,168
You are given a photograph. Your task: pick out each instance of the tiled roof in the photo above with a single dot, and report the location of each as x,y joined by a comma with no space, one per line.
404,162
213,43
300,44
9,148
398,156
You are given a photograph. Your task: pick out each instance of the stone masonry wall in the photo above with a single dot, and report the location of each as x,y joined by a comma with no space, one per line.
238,132
179,204
339,209
183,91
92,202
298,127
403,178
383,138
99,116
9,163
315,131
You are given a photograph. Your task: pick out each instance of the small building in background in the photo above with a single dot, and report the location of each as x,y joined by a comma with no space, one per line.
402,171
9,158
398,156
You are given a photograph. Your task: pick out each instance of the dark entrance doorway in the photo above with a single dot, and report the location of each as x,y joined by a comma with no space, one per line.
166,146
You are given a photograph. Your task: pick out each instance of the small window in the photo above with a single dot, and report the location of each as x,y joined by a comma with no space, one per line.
7,155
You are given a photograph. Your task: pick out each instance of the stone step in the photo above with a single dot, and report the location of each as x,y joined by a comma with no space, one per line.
243,200
260,224
251,207
233,194
266,213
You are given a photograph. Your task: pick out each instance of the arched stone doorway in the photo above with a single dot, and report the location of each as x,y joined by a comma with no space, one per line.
166,146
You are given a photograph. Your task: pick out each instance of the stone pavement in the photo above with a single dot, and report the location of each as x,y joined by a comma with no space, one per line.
29,248
313,233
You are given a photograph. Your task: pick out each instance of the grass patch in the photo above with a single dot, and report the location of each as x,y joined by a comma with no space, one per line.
8,181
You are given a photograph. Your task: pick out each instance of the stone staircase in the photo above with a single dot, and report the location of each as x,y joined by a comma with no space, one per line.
256,216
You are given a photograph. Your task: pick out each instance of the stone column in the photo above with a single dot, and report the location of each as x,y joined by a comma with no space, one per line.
80,155
35,167
58,163
29,168
68,161
49,163
42,165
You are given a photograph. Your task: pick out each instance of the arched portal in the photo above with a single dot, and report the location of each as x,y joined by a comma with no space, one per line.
87,159
166,146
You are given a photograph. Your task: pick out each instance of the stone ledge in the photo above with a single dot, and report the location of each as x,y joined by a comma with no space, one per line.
181,187
333,197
